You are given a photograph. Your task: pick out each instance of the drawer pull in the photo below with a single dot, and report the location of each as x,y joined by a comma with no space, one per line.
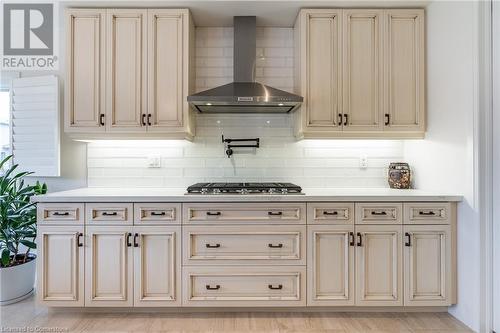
274,213
136,243
214,213
158,213
279,287
429,213
360,239
210,246
217,287
351,238
127,239
78,239
279,246
330,213
109,214
378,213
61,214
408,239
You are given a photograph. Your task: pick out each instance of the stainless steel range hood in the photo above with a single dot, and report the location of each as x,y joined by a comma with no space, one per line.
244,95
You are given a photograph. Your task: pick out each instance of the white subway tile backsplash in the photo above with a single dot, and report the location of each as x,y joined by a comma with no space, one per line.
309,163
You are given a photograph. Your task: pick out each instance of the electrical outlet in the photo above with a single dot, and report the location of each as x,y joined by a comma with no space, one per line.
363,162
154,161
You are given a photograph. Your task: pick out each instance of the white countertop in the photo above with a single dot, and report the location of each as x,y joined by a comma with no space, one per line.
96,194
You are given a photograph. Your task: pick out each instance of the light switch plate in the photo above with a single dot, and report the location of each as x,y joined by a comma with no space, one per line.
154,161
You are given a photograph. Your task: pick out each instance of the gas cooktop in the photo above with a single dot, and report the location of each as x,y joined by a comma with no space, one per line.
244,188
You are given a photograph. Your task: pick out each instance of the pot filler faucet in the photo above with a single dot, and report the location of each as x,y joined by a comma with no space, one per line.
228,146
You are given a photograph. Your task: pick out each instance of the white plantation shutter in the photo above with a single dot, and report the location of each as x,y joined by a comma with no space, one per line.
35,124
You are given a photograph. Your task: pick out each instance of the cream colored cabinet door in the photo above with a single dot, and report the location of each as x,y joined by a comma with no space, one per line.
362,69
169,49
109,266
427,258
330,265
379,277
319,74
126,70
157,266
60,265
85,55
405,70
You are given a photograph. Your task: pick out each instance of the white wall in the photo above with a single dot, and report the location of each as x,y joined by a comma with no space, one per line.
445,159
496,166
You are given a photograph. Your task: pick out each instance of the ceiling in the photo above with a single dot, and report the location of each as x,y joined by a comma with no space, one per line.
273,13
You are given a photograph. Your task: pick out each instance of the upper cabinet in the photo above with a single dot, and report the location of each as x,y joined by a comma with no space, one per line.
361,72
84,90
129,73
405,109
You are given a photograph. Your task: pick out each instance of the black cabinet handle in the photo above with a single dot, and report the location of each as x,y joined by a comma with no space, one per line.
330,213
214,214
158,214
149,119
408,239
429,213
128,239
346,119
61,214
210,246
272,246
378,213
78,239
340,119
136,243
387,119
274,213
279,287
217,287
143,119
351,238
109,214
360,239
101,119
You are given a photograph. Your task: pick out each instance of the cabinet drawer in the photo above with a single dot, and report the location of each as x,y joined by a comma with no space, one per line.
330,213
234,213
237,245
156,213
244,286
427,213
379,213
109,213
60,213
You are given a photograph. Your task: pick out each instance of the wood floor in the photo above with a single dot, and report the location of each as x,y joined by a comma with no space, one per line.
28,314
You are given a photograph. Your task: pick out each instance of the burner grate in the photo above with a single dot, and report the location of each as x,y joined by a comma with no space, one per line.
244,188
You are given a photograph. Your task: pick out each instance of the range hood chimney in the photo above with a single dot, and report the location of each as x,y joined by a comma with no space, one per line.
244,95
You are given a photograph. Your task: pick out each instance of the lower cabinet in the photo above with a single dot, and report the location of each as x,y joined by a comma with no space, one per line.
330,270
379,274
427,258
410,265
136,266
245,286
109,266
157,266
60,265
345,261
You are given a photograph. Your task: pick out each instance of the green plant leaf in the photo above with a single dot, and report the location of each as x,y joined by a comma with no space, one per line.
5,257
27,243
